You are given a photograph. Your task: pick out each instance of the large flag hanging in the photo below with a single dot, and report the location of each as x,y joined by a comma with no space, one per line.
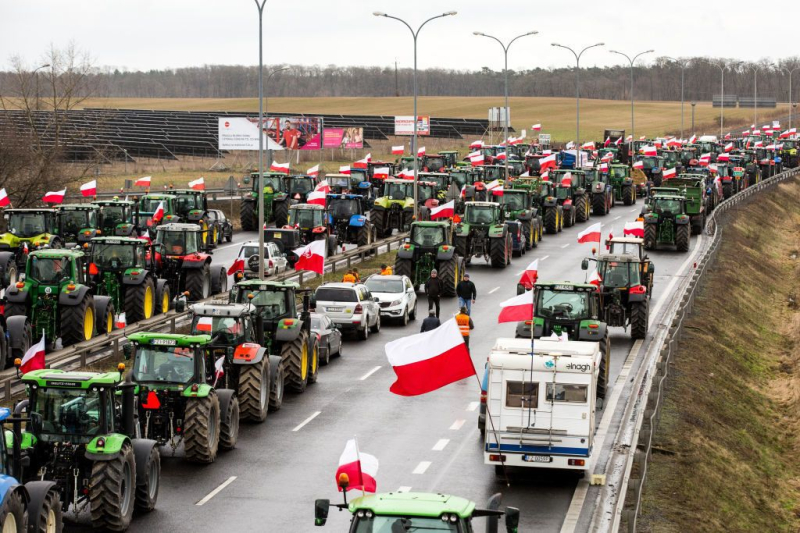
323,186
649,150
516,309
360,468
344,169
89,188
398,150
311,257
5,201
199,184
669,173
588,146
279,167
143,182
530,275
34,357
54,197
428,361
476,144
595,278
634,229
380,173
590,234
316,198
236,266
638,164
444,211
476,159
313,171
547,162
722,158
363,163
406,174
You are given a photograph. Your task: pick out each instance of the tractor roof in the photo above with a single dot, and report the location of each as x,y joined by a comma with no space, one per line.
178,226
311,207
430,223
267,174
482,204
158,196
260,285
619,258
220,309
413,504
32,210
57,253
668,196
345,196
133,241
436,174
169,339
626,240
73,380
78,207
346,176
113,202
566,285
395,180
194,192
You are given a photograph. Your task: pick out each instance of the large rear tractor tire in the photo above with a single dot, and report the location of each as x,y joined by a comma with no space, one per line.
12,515
295,355
448,272
147,489
201,429
569,218
378,219
44,509
461,246
112,491
198,283
247,216
628,195
8,269
599,207
682,238
727,190
281,213
498,252
639,319
364,235
229,422
650,236
404,267
582,209
105,318
77,321
551,220
140,301
254,391
219,280
163,297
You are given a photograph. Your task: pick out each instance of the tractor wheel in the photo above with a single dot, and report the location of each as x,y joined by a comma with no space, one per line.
313,364
404,267
628,195
276,392
650,236
448,272
408,218
561,220
364,235
15,309
682,238
8,269
77,321
112,491
198,283
12,515
378,219
163,297
331,245
461,246
296,355
229,423
219,280
44,509
140,301
569,218
639,319
697,224
254,391
105,319
599,207
19,338
498,252
551,220
247,216
602,380
281,213
727,190
201,428
582,209
527,228
147,489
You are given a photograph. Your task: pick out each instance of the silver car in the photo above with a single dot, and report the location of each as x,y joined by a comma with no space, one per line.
274,261
329,338
349,305
397,297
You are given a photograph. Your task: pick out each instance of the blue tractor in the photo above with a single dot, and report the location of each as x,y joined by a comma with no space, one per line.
348,220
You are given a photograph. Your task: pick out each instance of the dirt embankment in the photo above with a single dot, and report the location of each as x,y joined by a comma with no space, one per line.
726,454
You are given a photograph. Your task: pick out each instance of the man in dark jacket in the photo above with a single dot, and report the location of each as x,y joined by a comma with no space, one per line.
433,288
432,322
465,290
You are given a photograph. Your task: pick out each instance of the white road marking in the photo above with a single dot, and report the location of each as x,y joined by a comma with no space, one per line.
565,245
404,489
368,374
457,425
634,210
440,445
493,290
421,467
543,258
619,217
472,406
216,491
306,421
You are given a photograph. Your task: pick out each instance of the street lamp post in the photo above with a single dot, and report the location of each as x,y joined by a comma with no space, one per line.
260,5
415,34
683,63
631,61
505,74
721,66
790,72
266,110
47,65
577,94
693,104
755,69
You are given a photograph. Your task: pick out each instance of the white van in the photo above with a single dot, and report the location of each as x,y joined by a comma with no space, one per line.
542,407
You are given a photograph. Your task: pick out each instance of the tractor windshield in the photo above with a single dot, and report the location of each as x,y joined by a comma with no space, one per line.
270,304
306,218
343,208
562,304
618,274
425,192
619,172
113,215
459,178
399,191
513,201
27,224
117,256
171,364
389,524
48,271
186,202
649,162
271,183
74,221
68,413
480,214
301,185
434,163
667,205
178,242
494,173
149,204
224,331
427,236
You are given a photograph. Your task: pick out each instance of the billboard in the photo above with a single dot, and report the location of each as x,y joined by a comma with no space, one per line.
241,133
343,138
296,133
404,125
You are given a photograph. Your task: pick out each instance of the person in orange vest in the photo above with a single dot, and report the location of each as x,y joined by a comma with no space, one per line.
355,274
386,270
349,277
464,325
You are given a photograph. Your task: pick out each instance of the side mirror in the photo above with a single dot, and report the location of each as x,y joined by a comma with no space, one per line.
321,508
585,264
36,423
512,519
127,352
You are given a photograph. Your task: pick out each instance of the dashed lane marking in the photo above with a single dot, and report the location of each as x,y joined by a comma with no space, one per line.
216,491
618,218
421,467
440,445
472,406
306,421
368,374
565,245
543,258
493,290
457,425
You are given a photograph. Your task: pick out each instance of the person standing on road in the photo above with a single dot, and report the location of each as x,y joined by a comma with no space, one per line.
464,325
466,292
433,288
430,323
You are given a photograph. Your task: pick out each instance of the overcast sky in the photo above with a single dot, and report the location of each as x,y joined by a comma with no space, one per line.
158,34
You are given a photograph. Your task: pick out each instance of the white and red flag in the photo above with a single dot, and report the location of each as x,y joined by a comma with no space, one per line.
728,147
693,139
380,173
595,278
536,127
159,213
476,144
143,182
89,188
607,157
588,146
199,184
444,211
618,141
547,162
530,275
236,266
494,184
516,309
501,156
121,320
311,257
638,164
406,174
570,145
363,163
34,357
590,234
722,158
344,169
428,361
634,229
421,151
642,138
316,198
607,142
205,324
5,201
603,167
629,138
54,197
668,174
323,186
476,159
398,150
279,167
727,136
313,171
649,150
219,369
360,469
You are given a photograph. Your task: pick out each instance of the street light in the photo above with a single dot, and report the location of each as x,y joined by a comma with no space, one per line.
505,74
260,5
631,61
693,104
790,72
577,93
266,110
755,69
416,122
683,63
36,73
721,66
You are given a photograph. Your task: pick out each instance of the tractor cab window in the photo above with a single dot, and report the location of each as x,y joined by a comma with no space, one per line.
434,163
343,207
224,331
459,179
270,304
666,205
178,242
425,192
74,221
563,304
428,236
513,202
68,412
27,224
390,524
340,183
149,205
169,364
186,202
49,271
113,215
649,162
306,218
494,173
271,183
301,185
480,214
117,256
618,274
399,191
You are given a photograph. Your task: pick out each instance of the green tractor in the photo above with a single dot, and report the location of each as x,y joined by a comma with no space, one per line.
666,222
571,195
177,398
79,223
247,367
57,299
191,206
81,440
544,198
124,269
395,209
482,232
181,257
276,201
26,231
519,206
282,333
621,181
600,191
148,207
430,247
118,218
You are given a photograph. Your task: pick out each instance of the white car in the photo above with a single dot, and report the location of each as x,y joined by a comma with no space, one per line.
275,262
349,305
396,296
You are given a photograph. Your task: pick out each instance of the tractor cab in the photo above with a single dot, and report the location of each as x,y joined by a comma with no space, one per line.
273,182
228,325
429,235
189,203
434,163
79,223
494,172
566,307
482,213
398,189
307,217
117,254
299,187
162,361
26,230
117,217
450,157
155,209
178,240
274,301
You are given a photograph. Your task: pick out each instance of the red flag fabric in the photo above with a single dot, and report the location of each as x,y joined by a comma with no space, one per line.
649,150
344,169
34,357
428,361
316,198
89,188
516,309
607,142
607,158
159,213
363,163
381,173
421,151
236,266
311,257
588,146
634,229
313,171
398,150
723,158
54,197
323,186
279,167
530,275
590,234
547,162
501,156
638,164
5,201
122,321
444,211
476,160
361,469
668,174
693,139
729,147
595,278
536,127
143,182
406,174
199,184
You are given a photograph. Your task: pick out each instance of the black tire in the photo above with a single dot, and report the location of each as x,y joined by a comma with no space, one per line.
581,209
605,363
313,363
408,218
147,489
201,429
639,318
560,219
198,283
136,297
378,219
527,228
363,334
219,280
229,236
163,297
682,238
568,219
74,319
295,356
412,314
404,267
247,216
448,272
15,309
323,361
48,516
551,220
599,207
281,212
650,236
13,511
229,425
364,235
106,323
8,269
276,390
628,195
697,224
498,252
112,491
254,391
461,246
331,245
377,327
727,190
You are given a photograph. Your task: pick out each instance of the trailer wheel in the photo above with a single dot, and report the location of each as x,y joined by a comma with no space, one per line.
201,429
112,491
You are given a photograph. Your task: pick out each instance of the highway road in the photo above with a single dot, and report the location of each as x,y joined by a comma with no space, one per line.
427,443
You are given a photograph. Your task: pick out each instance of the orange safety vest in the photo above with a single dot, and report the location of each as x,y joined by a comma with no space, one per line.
463,324
349,278
387,271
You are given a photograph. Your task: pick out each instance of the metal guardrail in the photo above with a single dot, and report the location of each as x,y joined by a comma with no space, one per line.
108,345
641,419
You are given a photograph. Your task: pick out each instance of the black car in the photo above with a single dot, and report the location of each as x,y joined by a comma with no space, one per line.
329,337
224,226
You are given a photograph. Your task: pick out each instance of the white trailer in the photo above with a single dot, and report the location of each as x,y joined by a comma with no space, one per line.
542,406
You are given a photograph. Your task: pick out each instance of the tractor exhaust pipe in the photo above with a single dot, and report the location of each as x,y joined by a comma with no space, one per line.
128,407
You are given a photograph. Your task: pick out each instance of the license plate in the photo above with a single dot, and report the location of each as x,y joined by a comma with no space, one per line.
276,235
537,458
335,309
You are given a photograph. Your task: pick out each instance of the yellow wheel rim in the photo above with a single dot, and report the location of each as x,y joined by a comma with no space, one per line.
304,363
148,302
455,280
204,228
109,322
165,302
314,361
88,323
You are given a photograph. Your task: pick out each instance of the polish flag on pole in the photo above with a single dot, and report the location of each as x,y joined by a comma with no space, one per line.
476,160
728,147
143,182
236,266
649,150
421,152
398,150
476,144
199,184
311,257
722,158
607,142
313,171
618,141
323,186
159,214
629,138
444,211
727,136
547,162
530,275
588,146
121,321
54,197
603,167
219,369
5,201
279,167
545,175
493,185
34,357
590,234
693,139
362,163
536,127
638,164
360,469
668,174
406,174
316,198
516,309
570,145
381,173
595,278
501,156
89,189
608,157
428,361
344,169
634,229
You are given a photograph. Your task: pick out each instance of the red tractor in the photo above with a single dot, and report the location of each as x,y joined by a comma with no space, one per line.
182,258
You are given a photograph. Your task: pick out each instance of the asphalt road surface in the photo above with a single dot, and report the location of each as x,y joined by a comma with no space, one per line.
426,443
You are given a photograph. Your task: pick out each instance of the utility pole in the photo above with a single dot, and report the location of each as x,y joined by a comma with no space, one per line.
396,82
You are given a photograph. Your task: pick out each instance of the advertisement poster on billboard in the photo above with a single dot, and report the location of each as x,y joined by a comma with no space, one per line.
241,133
343,138
296,133
404,125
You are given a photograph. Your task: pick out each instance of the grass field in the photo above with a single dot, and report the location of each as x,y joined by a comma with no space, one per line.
557,115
